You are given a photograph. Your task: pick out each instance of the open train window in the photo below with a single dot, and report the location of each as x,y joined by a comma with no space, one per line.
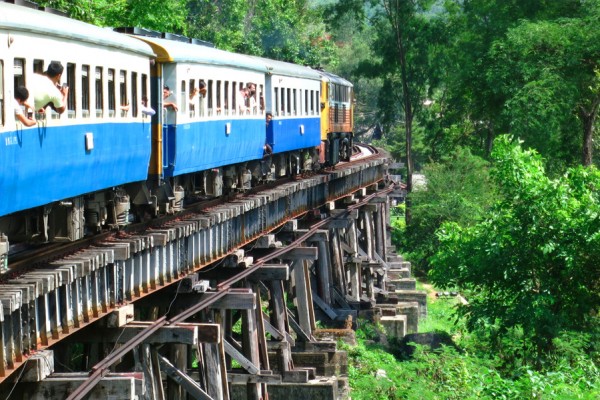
71,104
306,103
210,97
234,85
295,105
282,101
182,98
144,98
38,66
193,98
123,91
226,97
219,100
275,105
134,95
112,96
288,101
1,92
19,72
99,87
85,91
202,97
261,98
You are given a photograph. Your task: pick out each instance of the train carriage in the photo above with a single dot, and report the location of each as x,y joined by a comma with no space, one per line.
337,118
292,97
61,176
208,141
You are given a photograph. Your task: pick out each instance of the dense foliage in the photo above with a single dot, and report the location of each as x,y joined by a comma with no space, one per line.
472,372
457,190
533,262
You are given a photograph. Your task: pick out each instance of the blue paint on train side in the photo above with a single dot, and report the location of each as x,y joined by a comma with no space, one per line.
286,134
46,164
198,146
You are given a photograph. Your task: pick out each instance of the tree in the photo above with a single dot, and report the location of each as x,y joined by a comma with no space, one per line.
534,262
457,190
159,15
551,80
472,104
280,29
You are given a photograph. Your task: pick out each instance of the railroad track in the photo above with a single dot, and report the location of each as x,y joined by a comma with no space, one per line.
82,282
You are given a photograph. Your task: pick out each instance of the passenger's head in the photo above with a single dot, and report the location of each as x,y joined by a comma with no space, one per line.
55,69
268,117
21,94
166,92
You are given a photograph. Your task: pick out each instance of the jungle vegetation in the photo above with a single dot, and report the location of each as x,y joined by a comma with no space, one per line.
496,103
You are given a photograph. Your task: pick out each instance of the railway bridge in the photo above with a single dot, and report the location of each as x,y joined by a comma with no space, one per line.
221,302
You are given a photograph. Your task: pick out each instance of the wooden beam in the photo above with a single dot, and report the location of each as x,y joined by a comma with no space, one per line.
239,357
183,380
301,253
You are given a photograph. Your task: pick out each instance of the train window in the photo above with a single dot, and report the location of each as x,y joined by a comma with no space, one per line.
261,98
134,95
234,105
219,100
19,72
123,91
275,105
71,104
288,101
111,92
306,98
85,91
295,99
226,97
202,96
193,97
283,101
182,98
145,90
99,90
210,97
1,92
38,66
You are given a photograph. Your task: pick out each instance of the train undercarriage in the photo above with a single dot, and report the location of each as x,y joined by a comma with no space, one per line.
75,218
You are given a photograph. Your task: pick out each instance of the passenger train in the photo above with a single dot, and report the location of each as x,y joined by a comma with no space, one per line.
107,161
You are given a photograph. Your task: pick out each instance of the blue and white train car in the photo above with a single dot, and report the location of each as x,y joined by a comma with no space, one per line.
292,97
213,136
65,174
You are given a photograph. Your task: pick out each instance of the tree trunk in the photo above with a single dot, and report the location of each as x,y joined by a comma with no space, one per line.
588,119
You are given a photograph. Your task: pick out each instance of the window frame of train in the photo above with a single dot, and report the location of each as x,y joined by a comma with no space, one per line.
123,91
133,102
99,90
111,92
85,91
70,73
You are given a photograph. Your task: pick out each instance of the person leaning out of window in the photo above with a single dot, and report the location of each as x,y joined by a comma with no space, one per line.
22,107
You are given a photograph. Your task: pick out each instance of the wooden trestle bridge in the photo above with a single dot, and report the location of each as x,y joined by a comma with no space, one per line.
220,303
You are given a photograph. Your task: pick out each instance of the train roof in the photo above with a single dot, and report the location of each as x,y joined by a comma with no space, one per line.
182,52
335,79
19,18
288,69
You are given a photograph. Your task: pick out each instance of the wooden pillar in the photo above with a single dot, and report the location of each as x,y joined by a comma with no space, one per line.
279,320
339,277
355,280
250,348
323,272
178,357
